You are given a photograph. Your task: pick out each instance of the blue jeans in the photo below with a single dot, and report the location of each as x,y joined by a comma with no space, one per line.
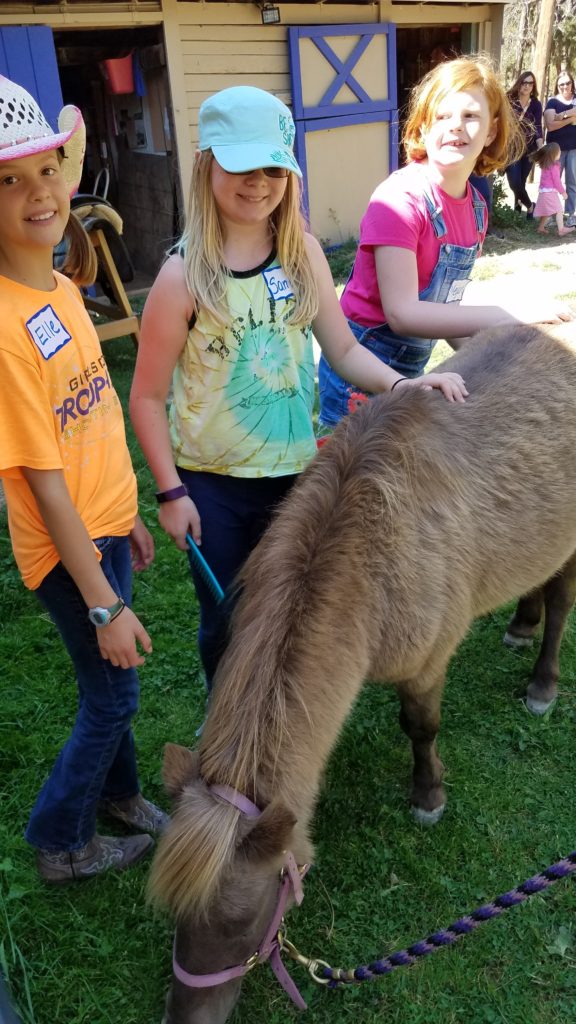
568,165
408,356
234,512
98,760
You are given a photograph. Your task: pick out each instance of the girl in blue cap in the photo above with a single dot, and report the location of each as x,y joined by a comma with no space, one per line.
228,323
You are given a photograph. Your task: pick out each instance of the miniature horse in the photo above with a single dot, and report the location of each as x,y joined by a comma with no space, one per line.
415,517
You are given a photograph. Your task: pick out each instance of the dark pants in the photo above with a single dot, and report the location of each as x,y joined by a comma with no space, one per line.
517,175
98,759
234,512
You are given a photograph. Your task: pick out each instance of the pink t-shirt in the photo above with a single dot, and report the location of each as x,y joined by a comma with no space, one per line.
397,215
550,179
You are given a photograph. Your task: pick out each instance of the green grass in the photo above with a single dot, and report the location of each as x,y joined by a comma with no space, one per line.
95,953
341,259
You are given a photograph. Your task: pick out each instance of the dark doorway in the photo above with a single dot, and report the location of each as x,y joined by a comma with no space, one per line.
417,51
130,157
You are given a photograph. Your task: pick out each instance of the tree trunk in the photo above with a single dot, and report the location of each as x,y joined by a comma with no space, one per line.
544,45
521,39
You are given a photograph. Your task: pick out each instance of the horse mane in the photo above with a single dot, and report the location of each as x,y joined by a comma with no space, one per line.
397,457
194,852
288,591
293,591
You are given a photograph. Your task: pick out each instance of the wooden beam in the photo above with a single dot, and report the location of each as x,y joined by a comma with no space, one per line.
118,328
93,15
123,319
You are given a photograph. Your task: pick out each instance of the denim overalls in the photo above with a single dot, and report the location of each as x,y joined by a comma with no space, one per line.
406,355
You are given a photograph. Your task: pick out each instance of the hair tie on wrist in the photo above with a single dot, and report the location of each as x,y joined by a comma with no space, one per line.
397,382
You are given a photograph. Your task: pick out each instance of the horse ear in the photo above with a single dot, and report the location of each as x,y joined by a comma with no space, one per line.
180,766
270,833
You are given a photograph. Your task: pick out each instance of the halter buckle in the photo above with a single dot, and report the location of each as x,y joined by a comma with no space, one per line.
252,961
312,966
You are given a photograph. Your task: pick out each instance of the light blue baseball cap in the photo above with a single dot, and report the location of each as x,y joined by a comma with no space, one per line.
247,128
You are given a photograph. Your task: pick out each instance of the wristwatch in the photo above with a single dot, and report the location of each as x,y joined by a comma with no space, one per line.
104,616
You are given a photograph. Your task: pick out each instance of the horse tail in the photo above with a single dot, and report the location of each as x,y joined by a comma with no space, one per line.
193,853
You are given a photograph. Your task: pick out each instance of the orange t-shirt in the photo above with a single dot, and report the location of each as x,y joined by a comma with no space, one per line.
58,410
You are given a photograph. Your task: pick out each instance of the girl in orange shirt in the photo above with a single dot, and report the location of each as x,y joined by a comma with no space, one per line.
70,491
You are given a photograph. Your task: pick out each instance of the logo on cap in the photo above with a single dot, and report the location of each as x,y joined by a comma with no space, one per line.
287,128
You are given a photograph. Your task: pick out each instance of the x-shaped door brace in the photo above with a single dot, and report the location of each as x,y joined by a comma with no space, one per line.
343,69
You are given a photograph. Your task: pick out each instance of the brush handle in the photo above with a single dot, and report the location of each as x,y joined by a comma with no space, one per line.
204,570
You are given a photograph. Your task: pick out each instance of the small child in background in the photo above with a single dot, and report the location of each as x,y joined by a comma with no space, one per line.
551,190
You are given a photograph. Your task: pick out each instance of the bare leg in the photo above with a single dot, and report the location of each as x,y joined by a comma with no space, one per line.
420,720
526,619
560,225
559,596
541,229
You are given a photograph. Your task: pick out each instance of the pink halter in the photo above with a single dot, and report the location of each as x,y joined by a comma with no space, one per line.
270,947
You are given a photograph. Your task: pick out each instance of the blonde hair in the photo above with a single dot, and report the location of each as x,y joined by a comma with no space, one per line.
202,248
80,262
457,76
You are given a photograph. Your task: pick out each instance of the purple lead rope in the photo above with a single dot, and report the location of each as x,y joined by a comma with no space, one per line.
438,940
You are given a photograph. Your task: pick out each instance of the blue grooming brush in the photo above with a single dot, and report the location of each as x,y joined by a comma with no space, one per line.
204,570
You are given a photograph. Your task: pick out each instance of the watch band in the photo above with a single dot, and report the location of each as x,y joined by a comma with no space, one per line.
172,494
116,609
100,616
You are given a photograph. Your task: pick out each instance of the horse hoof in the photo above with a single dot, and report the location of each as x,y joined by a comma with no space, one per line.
539,707
511,640
427,817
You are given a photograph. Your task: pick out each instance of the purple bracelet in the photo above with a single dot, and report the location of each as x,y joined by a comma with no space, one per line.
172,494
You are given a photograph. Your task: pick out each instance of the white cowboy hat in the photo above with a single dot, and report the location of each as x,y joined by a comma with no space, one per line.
25,131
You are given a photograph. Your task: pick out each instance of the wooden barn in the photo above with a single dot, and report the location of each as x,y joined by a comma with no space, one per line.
140,70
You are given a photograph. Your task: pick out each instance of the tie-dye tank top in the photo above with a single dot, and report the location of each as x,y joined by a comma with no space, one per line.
244,393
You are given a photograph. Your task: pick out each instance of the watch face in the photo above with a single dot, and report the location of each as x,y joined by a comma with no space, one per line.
99,616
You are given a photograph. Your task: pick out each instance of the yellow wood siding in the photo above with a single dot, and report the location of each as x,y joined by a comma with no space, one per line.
211,45
344,167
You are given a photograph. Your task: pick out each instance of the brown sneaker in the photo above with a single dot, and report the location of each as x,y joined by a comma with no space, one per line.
136,812
101,854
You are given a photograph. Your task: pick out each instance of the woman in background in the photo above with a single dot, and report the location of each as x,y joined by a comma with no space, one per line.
560,118
524,100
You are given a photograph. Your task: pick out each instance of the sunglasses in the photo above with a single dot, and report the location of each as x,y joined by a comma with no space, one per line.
564,85
270,172
528,81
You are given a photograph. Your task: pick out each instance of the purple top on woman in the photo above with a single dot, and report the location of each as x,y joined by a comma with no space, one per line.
530,122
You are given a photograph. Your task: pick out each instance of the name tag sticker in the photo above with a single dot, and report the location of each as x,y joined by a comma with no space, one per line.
277,283
47,332
456,290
